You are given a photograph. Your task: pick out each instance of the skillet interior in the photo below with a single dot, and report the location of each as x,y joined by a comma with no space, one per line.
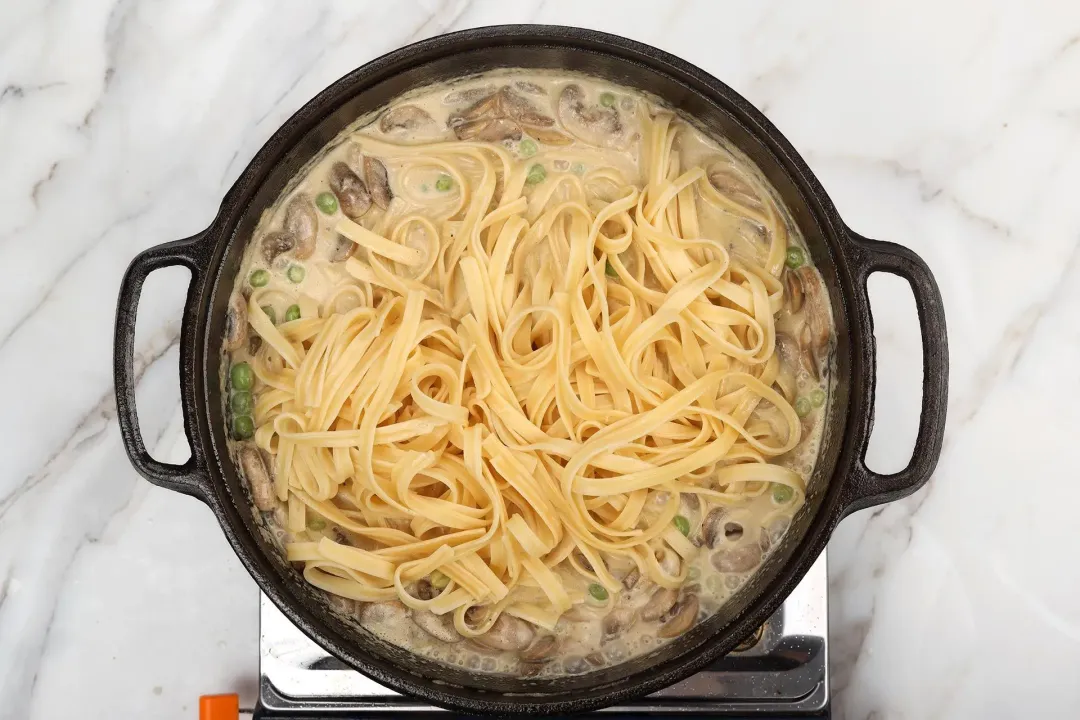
719,111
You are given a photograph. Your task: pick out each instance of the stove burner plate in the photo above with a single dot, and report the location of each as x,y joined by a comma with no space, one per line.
786,671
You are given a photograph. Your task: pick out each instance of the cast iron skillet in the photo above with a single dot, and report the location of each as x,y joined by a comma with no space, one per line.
841,484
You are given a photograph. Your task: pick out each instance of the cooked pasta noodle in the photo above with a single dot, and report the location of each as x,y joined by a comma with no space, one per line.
514,384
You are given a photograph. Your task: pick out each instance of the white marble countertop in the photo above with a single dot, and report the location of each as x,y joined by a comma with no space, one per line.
952,127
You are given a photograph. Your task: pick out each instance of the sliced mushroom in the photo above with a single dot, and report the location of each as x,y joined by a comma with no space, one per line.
507,633
235,323
523,111
549,137
793,287
302,224
469,95
254,343
486,130
594,124
530,87
383,613
816,333
618,621
486,108
541,650
681,617
737,560
731,183
733,531
713,527
258,477
631,579
342,250
350,190
276,243
659,604
440,627
378,182
405,117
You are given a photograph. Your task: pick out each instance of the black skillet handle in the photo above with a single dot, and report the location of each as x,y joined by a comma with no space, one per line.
192,477
865,487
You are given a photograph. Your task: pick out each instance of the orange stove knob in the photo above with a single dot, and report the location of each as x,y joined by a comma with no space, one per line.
219,707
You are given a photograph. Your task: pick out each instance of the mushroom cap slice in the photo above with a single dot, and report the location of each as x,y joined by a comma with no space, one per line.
618,621
275,243
549,136
593,124
507,633
737,560
378,182
405,117
258,477
713,526
680,618
350,190
659,604
342,250
816,333
793,288
542,649
235,323
440,627
302,223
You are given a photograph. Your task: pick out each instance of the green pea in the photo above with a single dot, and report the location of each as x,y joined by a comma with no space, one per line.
243,427
782,493
444,183
527,148
241,402
802,407
598,591
817,397
293,313
536,174
682,524
609,270
296,273
316,523
578,168
438,580
607,99
242,376
795,258
693,574
327,202
259,278
270,313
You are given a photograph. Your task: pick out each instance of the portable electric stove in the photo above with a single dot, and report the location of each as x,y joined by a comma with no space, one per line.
782,671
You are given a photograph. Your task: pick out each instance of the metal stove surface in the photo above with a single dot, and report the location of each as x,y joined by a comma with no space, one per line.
783,671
